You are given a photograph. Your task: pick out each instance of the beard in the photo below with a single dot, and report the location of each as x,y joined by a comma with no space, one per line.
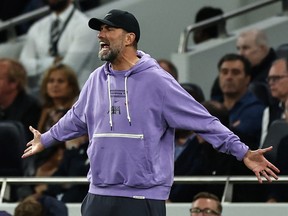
58,6
109,55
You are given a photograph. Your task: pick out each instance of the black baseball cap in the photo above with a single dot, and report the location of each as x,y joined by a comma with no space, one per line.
118,19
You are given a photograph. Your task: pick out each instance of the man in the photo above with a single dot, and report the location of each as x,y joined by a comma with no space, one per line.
206,203
245,110
131,129
245,115
15,103
278,83
253,45
17,108
60,36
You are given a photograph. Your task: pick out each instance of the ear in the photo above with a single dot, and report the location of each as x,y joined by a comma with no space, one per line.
264,49
130,38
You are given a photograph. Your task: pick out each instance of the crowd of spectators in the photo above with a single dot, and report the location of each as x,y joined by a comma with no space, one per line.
251,88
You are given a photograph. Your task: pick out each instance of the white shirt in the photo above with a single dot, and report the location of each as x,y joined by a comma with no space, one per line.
77,45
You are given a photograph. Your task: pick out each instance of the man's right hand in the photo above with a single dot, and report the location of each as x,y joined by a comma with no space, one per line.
35,145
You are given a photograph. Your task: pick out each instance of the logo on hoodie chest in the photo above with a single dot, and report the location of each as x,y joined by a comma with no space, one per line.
118,97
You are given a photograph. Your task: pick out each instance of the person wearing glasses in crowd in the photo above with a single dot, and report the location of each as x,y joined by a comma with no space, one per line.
205,203
278,84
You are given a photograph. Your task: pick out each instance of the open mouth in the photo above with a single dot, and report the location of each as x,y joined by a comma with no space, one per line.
104,46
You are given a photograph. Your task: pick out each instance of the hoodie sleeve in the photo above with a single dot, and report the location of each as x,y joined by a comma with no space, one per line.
181,110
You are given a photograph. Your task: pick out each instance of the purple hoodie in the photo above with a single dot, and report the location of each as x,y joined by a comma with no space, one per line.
130,118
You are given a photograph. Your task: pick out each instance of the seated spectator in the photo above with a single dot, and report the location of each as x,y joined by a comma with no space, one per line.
40,206
207,204
29,207
204,34
169,67
278,84
245,116
245,113
254,46
59,90
62,36
13,96
245,110
18,106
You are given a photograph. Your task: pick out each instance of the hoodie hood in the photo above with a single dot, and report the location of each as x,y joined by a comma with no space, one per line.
145,62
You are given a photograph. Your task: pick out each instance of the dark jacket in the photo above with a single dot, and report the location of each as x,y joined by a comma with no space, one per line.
74,164
25,109
260,71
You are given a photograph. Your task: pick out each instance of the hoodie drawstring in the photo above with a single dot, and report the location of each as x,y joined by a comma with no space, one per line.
126,101
110,101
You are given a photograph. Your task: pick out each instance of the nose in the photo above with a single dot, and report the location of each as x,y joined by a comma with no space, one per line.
99,34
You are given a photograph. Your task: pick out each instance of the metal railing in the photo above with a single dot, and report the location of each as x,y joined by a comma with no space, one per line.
9,25
229,181
221,20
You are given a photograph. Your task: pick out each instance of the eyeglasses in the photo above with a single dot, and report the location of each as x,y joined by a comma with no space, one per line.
206,211
275,78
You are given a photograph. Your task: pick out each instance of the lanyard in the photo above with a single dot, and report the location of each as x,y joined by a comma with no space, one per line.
64,26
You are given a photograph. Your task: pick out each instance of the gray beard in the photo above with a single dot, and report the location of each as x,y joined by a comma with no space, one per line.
109,56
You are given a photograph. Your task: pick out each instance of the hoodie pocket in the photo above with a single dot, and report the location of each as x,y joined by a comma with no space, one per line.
118,158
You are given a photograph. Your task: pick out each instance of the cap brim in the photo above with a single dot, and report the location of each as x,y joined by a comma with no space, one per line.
95,23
